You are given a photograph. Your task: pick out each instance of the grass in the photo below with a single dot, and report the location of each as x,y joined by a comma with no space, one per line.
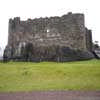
28,76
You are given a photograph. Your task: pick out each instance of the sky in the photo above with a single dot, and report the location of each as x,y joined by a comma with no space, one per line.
45,8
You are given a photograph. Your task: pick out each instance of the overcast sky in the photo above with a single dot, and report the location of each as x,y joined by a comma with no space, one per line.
42,8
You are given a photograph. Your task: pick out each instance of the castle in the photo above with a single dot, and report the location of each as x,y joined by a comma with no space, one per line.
56,38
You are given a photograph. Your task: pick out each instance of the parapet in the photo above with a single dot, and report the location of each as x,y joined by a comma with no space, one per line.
69,14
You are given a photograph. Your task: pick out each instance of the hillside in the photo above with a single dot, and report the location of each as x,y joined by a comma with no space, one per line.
28,76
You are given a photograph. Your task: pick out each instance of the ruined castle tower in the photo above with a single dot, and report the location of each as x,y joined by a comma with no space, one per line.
49,39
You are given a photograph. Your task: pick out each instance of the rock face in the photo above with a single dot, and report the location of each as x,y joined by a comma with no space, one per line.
62,38
96,53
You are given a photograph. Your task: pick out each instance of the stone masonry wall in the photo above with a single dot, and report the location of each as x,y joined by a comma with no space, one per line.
68,30
47,36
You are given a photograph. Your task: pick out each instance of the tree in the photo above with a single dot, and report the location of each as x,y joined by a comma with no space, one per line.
96,45
0,48
0,51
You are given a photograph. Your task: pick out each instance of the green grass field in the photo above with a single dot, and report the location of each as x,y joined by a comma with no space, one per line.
28,76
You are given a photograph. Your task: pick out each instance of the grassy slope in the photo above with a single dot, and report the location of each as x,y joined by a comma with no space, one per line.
23,76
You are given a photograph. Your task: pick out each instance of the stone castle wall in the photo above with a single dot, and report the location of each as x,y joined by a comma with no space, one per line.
65,31
68,30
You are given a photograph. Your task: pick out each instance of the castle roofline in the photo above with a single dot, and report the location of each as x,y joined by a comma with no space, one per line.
29,19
